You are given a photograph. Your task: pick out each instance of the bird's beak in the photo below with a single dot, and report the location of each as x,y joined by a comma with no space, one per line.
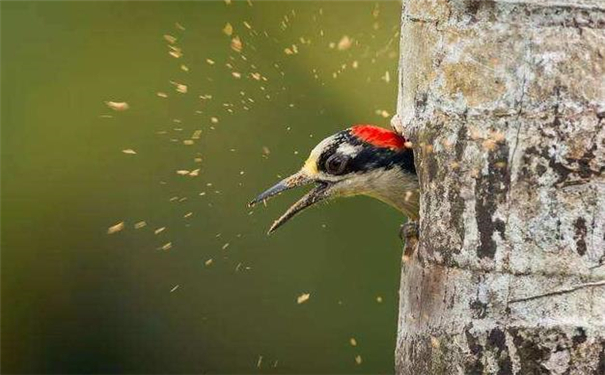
318,193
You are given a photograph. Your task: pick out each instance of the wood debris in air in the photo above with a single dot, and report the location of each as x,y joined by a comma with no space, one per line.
115,228
303,298
228,29
117,106
140,224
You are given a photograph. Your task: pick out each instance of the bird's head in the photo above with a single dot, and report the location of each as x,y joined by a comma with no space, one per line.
361,160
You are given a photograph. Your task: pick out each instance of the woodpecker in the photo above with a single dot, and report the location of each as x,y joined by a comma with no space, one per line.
361,160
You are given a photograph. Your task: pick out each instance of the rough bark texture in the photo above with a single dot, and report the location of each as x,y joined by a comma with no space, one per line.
505,103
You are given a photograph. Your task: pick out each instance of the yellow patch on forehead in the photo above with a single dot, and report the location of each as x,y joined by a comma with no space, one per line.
310,167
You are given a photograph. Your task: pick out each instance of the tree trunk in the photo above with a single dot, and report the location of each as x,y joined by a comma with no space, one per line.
505,104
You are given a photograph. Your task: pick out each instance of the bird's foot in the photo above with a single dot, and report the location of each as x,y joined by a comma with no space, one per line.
409,233
409,230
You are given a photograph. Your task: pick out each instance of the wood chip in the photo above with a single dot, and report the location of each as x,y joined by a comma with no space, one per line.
181,88
228,29
386,77
115,228
169,38
236,44
117,106
303,298
177,54
345,43
383,113
140,224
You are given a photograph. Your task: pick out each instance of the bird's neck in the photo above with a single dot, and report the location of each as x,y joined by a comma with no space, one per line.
398,189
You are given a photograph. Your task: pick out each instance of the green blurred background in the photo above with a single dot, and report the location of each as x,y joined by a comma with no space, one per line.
76,299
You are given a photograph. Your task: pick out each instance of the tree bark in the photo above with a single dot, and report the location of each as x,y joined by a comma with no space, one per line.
504,102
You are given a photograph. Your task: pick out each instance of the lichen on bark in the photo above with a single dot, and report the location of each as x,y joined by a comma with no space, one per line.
505,104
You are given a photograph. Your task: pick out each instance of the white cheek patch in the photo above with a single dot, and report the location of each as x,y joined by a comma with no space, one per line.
348,149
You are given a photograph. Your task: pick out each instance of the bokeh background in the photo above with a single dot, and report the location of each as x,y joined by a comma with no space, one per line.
134,134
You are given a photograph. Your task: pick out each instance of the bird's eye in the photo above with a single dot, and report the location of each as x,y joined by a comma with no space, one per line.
336,164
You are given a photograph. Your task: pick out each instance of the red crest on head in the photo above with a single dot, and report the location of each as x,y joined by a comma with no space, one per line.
378,136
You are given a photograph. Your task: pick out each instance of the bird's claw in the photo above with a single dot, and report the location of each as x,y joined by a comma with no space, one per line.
409,230
409,233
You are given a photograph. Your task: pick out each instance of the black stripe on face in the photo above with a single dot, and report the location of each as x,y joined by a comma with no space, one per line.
339,138
372,158
369,157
